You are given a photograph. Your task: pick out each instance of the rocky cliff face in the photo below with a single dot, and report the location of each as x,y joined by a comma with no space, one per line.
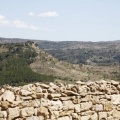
98,100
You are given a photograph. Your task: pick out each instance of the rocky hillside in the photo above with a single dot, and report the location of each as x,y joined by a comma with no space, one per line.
47,64
98,100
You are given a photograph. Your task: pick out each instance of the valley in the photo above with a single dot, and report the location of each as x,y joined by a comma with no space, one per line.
55,61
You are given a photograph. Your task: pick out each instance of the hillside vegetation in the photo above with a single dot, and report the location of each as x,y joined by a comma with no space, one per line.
15,59
47,64
97,53
23,62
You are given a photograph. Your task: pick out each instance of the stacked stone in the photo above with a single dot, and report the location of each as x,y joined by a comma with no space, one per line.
98,100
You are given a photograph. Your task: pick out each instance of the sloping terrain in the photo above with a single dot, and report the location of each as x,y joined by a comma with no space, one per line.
99,53
95,61
15,59
47,64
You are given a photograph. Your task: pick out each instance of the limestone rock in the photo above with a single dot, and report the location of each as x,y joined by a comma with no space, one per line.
54,95
44,86
42,111
85,106
70,93
26,98
98,107
33,118
66,112
115,99
36,103
51,90
118,107
77,108
102,115
68,105
13,112
53,85
64,118
83,101
56,105
27,111
116,114
108,106
39,89
5,105
54,115
45,102
85,118
25,93
80,83
94,116
114,82
3,114
75,116
8,95
64,98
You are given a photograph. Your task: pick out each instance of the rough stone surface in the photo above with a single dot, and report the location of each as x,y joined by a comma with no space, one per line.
98,107
85,106
77,108
64,118
8,95
13,112
33,118
3,114
102,115
99,100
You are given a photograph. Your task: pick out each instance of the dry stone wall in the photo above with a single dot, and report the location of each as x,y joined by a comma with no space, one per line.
98,100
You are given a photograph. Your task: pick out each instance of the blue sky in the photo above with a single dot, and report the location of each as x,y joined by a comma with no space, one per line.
60,20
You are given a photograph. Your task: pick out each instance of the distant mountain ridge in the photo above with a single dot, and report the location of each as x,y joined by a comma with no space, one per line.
12,40
78,52
46,64
100,53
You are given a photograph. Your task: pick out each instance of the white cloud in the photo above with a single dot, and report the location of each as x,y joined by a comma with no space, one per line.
21,24
49,14
31,14
3,20
49,29
16,23
45,14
